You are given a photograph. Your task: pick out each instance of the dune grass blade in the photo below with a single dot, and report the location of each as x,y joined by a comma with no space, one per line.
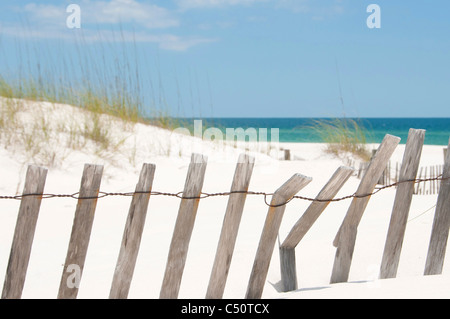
343,136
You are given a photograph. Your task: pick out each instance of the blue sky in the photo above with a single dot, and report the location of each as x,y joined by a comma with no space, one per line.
264,58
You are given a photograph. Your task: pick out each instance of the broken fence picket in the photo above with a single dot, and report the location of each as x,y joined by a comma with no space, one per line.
345,239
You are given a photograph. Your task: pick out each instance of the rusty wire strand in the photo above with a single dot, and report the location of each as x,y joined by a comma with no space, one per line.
204,195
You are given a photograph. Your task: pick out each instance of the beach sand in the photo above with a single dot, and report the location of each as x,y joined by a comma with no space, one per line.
315,253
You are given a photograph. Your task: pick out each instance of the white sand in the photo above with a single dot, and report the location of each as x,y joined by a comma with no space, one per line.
315,254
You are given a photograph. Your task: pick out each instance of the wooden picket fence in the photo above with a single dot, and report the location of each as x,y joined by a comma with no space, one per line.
344,241
431,187
391,175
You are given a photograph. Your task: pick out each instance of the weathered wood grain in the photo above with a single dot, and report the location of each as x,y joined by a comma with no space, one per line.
288,267
81,231
304,224
24,233
316,208
230,227
269,234
402,204
183,228
132,235
441,225
345,243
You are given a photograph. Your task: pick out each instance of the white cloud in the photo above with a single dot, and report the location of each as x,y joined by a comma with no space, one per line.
169,42
43,11
175,43
44,15
314,7
165,41
146,15
49,22
35,33
297,6
319,9
192,4
124,11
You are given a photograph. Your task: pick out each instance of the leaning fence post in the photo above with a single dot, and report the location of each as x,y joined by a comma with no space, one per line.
304,224
345,242
132,234
441,225
183,227
230,227
269,233
24,232
402,204
81,231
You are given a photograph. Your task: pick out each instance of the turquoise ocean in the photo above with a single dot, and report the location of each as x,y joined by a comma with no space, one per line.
298,130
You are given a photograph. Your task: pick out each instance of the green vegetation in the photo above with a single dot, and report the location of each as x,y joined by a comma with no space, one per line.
342,136
109,88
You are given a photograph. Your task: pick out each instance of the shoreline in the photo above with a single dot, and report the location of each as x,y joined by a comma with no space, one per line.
315,252
299,130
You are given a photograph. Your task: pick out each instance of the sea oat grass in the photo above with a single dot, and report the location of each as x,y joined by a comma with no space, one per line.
343,136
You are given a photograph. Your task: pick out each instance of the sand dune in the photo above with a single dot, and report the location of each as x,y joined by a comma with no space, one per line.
170,153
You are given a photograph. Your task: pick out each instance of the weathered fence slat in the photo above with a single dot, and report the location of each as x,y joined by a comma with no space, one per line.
402,204
433,175
304,224
345,243
288,267
24,233
230,227
269,233
183,228
132,235
81,231
418,184
441,225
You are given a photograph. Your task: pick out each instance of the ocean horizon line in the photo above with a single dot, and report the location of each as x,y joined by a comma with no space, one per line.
301,129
